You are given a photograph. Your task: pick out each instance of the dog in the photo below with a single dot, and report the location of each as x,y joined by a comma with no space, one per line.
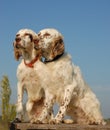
56,81
27,74
82,94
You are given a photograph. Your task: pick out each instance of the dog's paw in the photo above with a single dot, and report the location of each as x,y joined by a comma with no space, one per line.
55,121
68,121
36,121
16,120
100,122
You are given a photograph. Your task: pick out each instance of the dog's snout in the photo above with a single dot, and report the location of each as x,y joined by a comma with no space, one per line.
17,39
17,43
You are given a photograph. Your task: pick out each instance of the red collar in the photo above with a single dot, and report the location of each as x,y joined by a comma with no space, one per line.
31,64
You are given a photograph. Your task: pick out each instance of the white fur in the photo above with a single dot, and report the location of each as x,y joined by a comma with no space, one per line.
58,81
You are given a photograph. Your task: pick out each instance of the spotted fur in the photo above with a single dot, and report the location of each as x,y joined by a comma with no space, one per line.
58,81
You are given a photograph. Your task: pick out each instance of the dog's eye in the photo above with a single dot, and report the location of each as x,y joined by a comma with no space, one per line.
26,34
17,35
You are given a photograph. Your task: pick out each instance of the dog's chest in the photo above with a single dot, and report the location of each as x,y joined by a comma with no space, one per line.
32,78
27,76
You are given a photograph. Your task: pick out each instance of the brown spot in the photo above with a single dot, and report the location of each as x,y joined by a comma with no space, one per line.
68,90
66,99
75,113
50,113
23,79
58,116
39,34
30,36
46,104
62,115
46,34
59,111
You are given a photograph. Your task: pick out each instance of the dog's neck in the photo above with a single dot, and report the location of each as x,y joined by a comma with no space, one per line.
30,57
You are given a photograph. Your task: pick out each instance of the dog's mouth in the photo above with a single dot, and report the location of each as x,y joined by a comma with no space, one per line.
18,46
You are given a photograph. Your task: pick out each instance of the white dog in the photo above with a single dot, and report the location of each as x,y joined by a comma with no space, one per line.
27,74
56,81
83,99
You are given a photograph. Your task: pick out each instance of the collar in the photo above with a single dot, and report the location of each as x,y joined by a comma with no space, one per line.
31,64
56,58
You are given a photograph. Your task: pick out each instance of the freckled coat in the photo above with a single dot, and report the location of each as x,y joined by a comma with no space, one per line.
57,81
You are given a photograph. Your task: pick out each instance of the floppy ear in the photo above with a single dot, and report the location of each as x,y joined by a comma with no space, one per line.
35,40
17,53
36,43
58,47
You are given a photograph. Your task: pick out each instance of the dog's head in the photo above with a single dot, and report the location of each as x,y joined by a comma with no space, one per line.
51,43
25,40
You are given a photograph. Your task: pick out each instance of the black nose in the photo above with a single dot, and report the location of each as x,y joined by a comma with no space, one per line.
17,39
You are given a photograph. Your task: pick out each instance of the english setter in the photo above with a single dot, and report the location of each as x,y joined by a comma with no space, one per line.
56,81
29,73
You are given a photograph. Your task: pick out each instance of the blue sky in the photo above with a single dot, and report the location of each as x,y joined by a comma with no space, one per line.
85,25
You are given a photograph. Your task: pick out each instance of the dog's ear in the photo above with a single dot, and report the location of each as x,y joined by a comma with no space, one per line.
17,54
57,47
35,40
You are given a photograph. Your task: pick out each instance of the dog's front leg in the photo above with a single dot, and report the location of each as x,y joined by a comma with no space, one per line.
47,112
67,98
62,110
19,105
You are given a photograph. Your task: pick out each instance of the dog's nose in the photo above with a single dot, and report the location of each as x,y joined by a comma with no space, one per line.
17,39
